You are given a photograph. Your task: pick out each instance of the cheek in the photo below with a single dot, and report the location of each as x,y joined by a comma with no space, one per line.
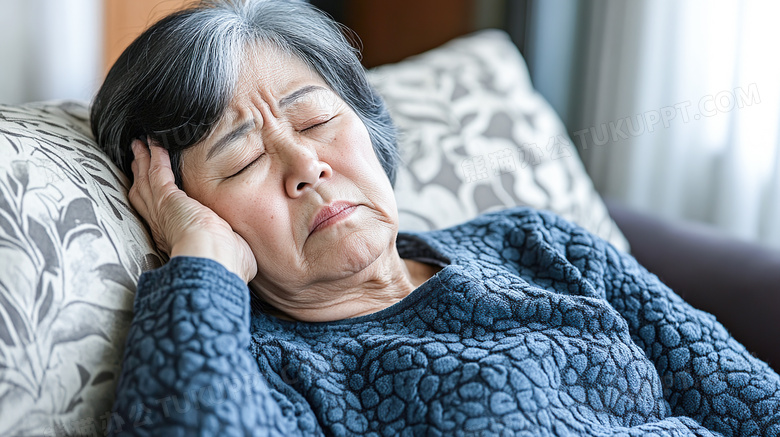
362,166
358,153
258,219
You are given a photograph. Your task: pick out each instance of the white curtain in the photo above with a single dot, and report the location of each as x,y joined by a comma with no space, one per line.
50,49
675,108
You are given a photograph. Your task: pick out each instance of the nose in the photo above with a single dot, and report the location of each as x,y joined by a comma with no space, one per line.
304,170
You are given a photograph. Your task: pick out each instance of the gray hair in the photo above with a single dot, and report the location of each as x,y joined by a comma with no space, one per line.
175,81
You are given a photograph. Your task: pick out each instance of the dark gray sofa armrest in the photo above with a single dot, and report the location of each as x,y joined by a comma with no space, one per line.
737,281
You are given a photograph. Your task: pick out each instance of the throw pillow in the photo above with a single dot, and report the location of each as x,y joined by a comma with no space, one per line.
71,251
475,136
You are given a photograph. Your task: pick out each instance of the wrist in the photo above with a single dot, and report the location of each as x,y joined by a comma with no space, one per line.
209,248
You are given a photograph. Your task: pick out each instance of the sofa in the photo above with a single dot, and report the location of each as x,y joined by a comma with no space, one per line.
474,137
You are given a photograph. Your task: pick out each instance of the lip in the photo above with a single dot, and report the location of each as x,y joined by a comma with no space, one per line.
331,214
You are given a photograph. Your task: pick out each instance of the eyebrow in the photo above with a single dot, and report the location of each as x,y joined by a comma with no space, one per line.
244,127
233,135
295,95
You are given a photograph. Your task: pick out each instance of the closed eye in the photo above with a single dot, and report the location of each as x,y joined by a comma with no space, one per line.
316,125
247,167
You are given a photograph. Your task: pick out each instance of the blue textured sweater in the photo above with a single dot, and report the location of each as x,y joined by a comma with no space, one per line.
532,327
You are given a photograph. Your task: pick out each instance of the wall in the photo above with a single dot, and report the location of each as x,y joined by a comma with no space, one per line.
126,19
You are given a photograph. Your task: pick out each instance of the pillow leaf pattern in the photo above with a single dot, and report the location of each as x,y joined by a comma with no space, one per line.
71,251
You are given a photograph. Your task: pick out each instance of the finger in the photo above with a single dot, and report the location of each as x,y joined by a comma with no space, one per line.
139,189
141,158
160,171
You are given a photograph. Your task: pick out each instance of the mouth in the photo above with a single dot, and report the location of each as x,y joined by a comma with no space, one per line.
330,215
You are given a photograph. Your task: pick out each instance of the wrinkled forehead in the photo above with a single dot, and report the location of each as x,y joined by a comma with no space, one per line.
272,73
266,64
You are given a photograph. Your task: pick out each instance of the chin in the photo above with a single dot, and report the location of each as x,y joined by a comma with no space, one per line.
358,250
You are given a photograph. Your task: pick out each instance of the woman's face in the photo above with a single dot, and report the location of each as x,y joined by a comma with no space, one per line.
291,168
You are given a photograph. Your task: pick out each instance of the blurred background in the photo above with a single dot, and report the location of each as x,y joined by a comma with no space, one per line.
673,106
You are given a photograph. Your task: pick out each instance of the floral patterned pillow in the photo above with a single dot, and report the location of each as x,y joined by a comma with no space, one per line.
476,137
71,251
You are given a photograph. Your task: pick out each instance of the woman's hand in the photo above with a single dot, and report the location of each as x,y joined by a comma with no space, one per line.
182,226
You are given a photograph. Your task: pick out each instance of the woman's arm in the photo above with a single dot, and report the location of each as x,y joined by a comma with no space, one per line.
707,375
186,368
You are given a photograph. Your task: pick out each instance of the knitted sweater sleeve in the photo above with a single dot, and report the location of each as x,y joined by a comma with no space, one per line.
706,374
186,368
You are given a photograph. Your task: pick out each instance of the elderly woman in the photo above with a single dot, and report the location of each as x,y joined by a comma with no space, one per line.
263,163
